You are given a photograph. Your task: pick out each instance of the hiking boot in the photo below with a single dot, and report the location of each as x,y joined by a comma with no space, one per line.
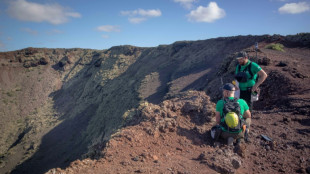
240,140
247,140
216,144
230,141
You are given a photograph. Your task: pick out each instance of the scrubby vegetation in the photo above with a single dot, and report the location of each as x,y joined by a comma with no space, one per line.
275,46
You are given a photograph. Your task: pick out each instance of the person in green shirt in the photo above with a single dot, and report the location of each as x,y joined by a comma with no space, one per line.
246,73
241,108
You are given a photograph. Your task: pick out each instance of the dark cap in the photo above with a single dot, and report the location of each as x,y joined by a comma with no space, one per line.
241,54
229,87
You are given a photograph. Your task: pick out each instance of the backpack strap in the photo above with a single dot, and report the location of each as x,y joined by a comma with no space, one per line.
239,68
226,100
248,68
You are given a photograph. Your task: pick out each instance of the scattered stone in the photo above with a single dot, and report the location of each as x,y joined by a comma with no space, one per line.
138,171
264,61
236,163
273,145
155,158
43,61
302,159
282,64
219,151
180,149
240,149
202,156
308,170
287,120
124,163
284,136
301,170
29,64
137,158
281,170
255,154
300,146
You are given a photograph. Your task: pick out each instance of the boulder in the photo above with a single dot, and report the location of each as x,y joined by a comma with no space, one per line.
43,61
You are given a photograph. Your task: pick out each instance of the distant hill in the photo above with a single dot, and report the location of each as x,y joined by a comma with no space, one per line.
61,105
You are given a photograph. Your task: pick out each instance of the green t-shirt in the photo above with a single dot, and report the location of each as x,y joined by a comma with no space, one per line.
251,82
220,105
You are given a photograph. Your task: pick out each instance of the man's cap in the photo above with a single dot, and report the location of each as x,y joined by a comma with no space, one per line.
241,54
229,87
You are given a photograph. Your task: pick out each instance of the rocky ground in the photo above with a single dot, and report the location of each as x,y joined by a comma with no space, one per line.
173,137
150,110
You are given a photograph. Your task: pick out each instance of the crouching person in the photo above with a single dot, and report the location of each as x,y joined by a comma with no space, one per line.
233,117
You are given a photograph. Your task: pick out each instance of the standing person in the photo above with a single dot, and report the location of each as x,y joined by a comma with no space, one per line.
246,73
231,116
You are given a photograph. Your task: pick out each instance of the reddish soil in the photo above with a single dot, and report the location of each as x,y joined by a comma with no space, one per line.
173,137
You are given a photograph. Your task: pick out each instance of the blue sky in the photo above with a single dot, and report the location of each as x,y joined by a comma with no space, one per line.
101,24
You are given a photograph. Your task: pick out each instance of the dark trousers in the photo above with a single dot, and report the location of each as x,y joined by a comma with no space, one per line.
246,95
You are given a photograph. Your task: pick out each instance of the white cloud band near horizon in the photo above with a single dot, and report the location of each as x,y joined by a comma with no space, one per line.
109,28
140,15
35,12
294,8
208,14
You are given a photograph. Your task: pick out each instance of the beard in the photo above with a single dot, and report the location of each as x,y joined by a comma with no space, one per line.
242,62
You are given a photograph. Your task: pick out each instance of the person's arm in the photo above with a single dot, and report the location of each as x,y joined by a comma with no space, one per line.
247,114
261,78
218,117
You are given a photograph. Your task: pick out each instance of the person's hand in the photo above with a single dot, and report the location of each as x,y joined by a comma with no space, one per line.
254,88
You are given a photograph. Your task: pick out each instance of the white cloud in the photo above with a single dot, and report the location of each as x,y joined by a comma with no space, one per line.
188,4
136,20
30,31
207,14
294,8
140,15
73,14
142,12
105,36
54,31
149,13
109,28
35,12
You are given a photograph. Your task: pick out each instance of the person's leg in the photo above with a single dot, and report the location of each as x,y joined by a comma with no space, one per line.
246,95
248,123
246,133
229,137
240,137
